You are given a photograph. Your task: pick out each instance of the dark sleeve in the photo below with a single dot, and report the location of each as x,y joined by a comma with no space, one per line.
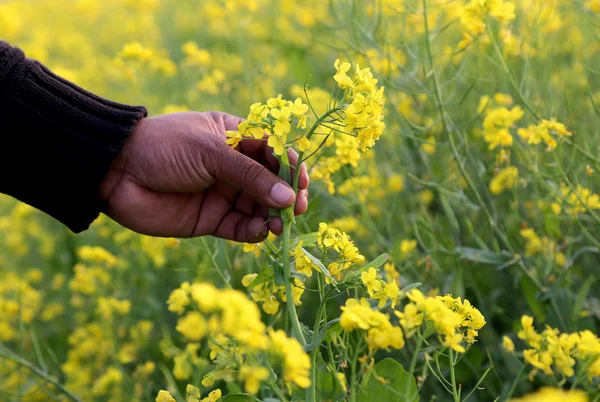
57,141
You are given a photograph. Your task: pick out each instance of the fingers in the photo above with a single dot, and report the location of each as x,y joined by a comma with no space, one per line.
242,228
247,175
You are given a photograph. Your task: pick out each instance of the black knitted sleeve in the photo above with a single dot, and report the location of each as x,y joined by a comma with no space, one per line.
57,141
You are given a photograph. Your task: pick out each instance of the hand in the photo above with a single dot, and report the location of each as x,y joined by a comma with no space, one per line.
176,177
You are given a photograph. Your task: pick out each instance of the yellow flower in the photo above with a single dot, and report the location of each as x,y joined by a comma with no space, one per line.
192,394
411,317
192,326
164,396
233,138
369,279
304,144
505,179
407,246
390,291
277,144
547,394
248,279
252,376
271,305
507,344
341,77
213,396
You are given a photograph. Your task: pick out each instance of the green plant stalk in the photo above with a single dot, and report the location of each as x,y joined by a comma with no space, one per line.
413,362
455,393
10,355
287,217
438,93
309,134
311,392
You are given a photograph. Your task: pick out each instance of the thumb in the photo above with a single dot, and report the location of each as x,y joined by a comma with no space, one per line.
249,176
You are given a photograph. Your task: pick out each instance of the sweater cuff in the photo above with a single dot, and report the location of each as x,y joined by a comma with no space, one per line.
69,137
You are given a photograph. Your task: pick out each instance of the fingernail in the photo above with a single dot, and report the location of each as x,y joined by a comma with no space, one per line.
281,194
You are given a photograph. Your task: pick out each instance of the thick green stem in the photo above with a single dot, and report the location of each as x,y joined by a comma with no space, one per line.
413,362
291,308
455,393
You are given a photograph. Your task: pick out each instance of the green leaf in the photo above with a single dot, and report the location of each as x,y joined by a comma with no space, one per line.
239,398
450,214
328,386
320,265
530,291
501,259
376,263
581,296
388,382
306,239
266,274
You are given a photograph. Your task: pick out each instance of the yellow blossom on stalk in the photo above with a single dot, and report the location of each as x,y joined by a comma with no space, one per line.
164,396
507,344
455,320
303,262
390,291
496,125
192,326
252,377
296,363
369,279
364,109
390,271
273,120
554,352
213,396
407,246
304,144
577,199
547,394
504,179
381,334
544,131
341,77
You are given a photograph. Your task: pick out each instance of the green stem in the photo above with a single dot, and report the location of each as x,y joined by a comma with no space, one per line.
438,93
455,393
515,383
311,392
413,362
309,134
291,308
10,355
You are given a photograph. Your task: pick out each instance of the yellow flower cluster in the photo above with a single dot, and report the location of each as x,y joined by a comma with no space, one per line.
381,334
19,302
273,120
576,201
455,320
192,395
542,245
265,292
474,14
544,131
499,119
364,111
228,315
504,180
379,289
552,351
329,238
547,394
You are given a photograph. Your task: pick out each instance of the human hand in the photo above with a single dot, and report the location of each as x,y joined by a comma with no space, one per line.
176,177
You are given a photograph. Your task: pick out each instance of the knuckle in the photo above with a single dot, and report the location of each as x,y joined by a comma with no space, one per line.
253,174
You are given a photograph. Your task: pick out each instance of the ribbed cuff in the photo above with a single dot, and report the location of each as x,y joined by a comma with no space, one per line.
64,142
